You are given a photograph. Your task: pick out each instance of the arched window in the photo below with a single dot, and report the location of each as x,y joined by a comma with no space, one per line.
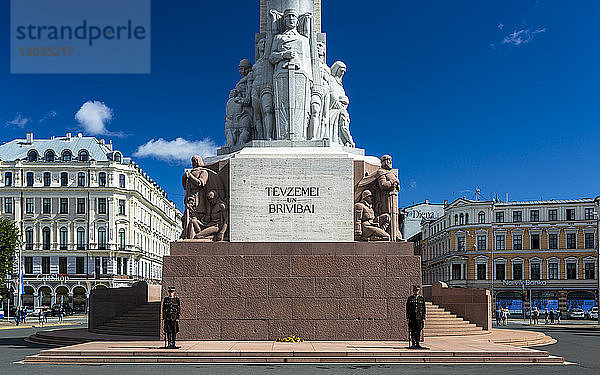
81,179
482,217
29,178
101,179
118,157
29,239
462,219
64,179
8,177
122,181
32,156
67,155
49,156
46,238
80,239
121,239
84,155
64,238
456,219
102,239
47,179
466,218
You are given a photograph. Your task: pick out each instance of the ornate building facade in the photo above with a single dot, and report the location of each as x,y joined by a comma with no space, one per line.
89,217
537,252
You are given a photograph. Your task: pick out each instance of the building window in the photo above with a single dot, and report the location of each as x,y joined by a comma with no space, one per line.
81,179
49,156
461,243
501,271
125,271
481,243
590,271
466,218
81,205
81,239
64,179
62,266
121,239
534,215
46,239
64,205
118,157
482,272
29,265
590,241
571,271
121,206
500,242
456,272
517,216
97,269
8,205
64,238
553,215
102,179
500,217
29,239
29,207
122,181
553,241
571,241
119,266
46,205
481,217
517,242
517,271
84,155
102,239
46,265
32,156
553,271
29,178
536,273
462,219
102,205
535,242
571,214
589,214
8,179
455,219
80,265
104,265
67,155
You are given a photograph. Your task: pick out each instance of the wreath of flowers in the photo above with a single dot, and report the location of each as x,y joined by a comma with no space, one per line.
292,339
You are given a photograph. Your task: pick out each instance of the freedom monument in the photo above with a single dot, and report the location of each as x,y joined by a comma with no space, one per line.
291,229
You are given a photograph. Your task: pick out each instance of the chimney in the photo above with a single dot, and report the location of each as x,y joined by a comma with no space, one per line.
29,138
79,135
68,135
102,141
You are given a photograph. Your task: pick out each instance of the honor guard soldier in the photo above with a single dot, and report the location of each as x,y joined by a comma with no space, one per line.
415,314
171,309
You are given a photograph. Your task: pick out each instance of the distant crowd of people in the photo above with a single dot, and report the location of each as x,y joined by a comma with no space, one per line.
21,315
550,316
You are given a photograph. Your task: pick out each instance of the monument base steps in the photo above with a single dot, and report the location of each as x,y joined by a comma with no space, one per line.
441,322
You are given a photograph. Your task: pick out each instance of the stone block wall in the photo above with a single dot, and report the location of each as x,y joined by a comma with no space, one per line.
474,305
106,304
318,291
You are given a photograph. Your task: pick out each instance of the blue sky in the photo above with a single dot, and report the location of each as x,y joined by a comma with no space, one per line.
498,95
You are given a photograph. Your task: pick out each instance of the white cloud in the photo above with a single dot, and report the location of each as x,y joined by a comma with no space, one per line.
176,151
523,36
19,121
93,117
412,185
500,26
50,115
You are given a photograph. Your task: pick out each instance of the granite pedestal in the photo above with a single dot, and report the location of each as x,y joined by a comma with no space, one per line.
318,291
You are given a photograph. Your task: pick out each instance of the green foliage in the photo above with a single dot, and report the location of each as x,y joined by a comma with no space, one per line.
9,243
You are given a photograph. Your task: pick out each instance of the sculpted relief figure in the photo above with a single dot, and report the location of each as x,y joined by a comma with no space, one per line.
292,78
203,210
319,103
262,95
339,116
367,226
238,120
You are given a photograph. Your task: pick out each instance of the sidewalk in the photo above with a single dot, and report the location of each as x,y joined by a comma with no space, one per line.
33,322
591,324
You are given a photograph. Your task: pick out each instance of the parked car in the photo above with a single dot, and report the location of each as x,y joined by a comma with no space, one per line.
592,314
576,313
56,310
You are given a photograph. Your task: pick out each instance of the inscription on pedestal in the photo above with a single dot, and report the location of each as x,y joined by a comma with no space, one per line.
291,198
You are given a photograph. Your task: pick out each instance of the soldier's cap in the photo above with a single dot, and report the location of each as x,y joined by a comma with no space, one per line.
171,289
366,194
245,63
416,288
290,11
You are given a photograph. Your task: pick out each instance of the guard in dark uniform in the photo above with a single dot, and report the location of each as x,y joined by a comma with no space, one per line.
171,309
415,314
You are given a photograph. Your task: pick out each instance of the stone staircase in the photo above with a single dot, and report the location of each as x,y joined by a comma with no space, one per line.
441,322
141,321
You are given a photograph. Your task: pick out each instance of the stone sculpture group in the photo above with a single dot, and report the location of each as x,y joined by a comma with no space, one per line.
290,93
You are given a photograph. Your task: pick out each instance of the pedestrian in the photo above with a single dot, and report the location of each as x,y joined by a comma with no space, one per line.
24,314
498,316
46,309
558,316
536,316
17,316
552,316
547,315
61,312
41,317
505,316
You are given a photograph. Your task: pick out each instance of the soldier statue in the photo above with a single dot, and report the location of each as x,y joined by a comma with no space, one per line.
415,314
171,309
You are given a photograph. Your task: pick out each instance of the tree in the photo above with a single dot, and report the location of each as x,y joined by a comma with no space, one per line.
9,243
